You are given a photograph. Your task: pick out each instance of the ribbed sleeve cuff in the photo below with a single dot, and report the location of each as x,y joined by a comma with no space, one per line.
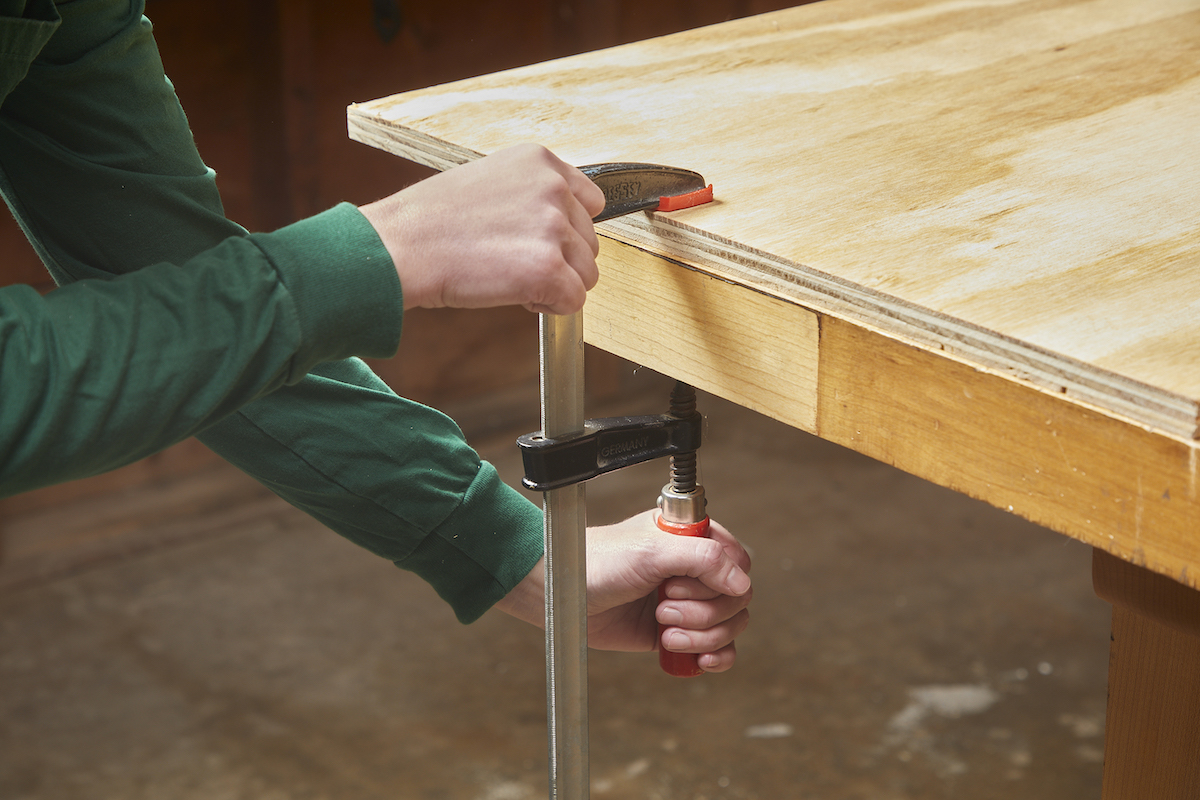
342,282
483,550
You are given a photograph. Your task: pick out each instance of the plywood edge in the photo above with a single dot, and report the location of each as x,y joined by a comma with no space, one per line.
364,125
1149,406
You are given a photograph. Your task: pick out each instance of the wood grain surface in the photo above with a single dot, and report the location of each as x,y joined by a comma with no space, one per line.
1012,181
991,208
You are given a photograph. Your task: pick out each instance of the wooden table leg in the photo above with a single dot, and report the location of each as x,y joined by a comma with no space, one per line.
1152,730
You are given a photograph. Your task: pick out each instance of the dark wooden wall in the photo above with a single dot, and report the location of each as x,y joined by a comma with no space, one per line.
266,84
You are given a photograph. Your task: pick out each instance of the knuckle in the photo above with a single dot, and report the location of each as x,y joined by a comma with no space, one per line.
710,555
553,223
738,625
559,195
531,150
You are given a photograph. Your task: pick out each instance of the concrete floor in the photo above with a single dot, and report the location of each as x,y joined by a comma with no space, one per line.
906,643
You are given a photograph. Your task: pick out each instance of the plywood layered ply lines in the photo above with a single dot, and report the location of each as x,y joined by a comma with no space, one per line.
971,229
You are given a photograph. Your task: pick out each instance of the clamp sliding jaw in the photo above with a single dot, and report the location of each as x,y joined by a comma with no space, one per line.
604,445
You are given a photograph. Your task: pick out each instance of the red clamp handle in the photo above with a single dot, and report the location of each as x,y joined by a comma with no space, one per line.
680,665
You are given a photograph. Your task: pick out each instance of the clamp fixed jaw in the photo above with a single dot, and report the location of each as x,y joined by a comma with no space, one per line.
630,187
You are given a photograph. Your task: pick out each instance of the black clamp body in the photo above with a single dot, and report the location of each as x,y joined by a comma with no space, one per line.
604,446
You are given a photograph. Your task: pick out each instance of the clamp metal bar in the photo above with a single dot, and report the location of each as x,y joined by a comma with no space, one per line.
627,188
566,565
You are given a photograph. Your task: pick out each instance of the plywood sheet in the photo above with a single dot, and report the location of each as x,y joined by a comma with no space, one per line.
1013,183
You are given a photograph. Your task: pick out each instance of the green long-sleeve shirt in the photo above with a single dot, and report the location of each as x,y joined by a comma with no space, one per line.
171,321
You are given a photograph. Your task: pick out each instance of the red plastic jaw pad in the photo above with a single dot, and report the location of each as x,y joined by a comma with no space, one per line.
681,201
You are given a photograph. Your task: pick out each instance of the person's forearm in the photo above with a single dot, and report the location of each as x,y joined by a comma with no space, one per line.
391,475
100,373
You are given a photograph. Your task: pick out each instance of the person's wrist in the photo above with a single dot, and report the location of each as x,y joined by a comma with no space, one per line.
387,218
527,600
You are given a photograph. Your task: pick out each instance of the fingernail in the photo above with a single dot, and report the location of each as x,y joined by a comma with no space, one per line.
670,616
739,583
678,641
677,592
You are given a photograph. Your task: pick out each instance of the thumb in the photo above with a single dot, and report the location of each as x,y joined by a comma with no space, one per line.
719,562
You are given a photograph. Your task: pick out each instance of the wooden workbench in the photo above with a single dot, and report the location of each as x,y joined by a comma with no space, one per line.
960,237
